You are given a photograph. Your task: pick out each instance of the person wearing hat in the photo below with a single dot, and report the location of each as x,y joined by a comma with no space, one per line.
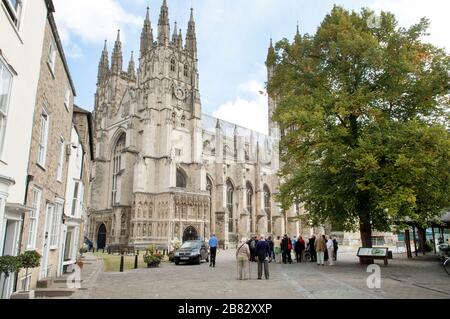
243,260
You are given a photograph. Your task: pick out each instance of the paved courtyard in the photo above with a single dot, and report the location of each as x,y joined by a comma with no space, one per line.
422,277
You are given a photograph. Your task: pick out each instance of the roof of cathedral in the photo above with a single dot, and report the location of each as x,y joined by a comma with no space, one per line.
210,123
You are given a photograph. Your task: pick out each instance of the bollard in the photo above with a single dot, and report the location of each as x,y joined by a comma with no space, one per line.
136,261
121,263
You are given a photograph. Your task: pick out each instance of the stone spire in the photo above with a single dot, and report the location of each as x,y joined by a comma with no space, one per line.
191,38
175,35
271,56
147,34
132,67
103,66
117,57
163,25
180,39
298,36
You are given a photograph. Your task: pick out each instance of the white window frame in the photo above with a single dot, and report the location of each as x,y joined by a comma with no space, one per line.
4,112
52,56
15,13
43,138
76,197
55,226
60,169
67,97
36,196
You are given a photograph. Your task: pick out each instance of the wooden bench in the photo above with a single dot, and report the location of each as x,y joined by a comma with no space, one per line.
365,254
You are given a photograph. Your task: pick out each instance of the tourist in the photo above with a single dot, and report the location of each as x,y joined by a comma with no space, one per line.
330,249
272,248
336,247
243,260
286,247
263,256
320,247
252,244
312,248
277,250
326,257
299,249
213,243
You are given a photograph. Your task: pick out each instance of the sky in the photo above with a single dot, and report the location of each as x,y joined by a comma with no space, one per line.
233,37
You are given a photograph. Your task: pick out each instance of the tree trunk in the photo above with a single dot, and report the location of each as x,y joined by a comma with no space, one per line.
422,238
408,244
365,229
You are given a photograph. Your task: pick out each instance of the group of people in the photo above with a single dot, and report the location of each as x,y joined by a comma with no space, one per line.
264,251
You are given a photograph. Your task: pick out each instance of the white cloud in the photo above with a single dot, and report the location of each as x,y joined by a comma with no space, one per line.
249,109
409,12
92,21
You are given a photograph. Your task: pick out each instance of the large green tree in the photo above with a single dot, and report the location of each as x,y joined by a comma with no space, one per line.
363,109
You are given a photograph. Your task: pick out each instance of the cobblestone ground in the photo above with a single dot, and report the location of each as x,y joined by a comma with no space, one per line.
422,277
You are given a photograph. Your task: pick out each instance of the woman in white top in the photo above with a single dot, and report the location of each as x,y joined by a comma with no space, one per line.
330,248
242,258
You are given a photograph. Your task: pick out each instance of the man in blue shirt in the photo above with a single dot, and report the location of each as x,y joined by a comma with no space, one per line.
213,242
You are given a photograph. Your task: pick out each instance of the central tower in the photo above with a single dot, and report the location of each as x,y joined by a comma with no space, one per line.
149,181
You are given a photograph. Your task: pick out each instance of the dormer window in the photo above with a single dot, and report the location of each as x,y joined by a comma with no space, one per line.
172,65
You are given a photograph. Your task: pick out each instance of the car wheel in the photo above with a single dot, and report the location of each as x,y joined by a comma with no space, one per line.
177,262
198,260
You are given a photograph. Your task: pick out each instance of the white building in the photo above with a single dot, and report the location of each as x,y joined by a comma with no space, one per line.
22,25
75,208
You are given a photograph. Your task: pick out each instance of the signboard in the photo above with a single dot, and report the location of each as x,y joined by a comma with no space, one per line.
373,252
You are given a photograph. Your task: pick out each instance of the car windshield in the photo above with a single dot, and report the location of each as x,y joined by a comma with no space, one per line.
191,245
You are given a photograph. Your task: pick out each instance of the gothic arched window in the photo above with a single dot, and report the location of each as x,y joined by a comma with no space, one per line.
186,70
181,179
267,207
249,196
183,121
230,195
117,166
173,65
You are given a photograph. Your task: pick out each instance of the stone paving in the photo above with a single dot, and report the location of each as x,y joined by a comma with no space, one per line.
422,277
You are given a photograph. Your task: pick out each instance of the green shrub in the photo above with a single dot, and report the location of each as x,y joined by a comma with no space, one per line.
9,265
30,259
152,259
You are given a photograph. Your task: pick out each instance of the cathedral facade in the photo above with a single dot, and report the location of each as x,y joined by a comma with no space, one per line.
165,171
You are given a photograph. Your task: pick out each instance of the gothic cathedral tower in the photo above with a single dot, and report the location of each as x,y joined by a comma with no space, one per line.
149,184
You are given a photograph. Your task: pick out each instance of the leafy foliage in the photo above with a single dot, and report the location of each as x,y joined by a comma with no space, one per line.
9,265
363,111
30,259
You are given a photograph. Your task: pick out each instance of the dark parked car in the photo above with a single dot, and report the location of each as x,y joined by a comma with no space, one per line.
193,251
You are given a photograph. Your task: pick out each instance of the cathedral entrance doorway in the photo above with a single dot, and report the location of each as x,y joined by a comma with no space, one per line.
190,233
101,237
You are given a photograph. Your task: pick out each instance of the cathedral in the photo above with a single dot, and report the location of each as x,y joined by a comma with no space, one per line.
165,171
